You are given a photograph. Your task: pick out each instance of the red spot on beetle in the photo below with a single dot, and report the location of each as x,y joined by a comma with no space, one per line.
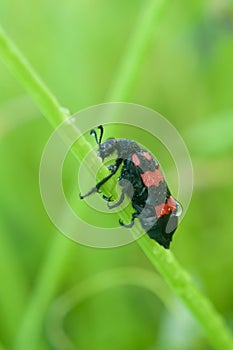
165,208
159,209
171,203
135,159
147,155
152,178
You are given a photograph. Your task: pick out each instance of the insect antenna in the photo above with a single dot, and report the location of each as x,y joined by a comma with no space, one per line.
93,132
101,133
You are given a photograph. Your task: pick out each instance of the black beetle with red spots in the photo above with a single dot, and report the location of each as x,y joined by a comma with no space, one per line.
143,182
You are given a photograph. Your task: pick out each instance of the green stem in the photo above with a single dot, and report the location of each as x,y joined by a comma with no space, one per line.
20,67
213,325
42,96
180,281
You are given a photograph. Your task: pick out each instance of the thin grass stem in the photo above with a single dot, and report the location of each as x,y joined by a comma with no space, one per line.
201,308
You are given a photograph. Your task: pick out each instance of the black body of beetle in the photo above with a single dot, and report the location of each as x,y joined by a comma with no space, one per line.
142,181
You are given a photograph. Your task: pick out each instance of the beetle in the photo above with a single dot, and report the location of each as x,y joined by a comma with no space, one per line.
143,182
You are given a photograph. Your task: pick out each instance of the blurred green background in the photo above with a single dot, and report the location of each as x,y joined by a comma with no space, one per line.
185,73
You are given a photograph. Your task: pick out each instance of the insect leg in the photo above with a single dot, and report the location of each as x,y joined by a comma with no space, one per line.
118,202
126,190
99,184
134,216
106,198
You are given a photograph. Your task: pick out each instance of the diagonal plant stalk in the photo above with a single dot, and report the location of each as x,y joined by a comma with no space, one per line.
49,106
214,326
201,308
